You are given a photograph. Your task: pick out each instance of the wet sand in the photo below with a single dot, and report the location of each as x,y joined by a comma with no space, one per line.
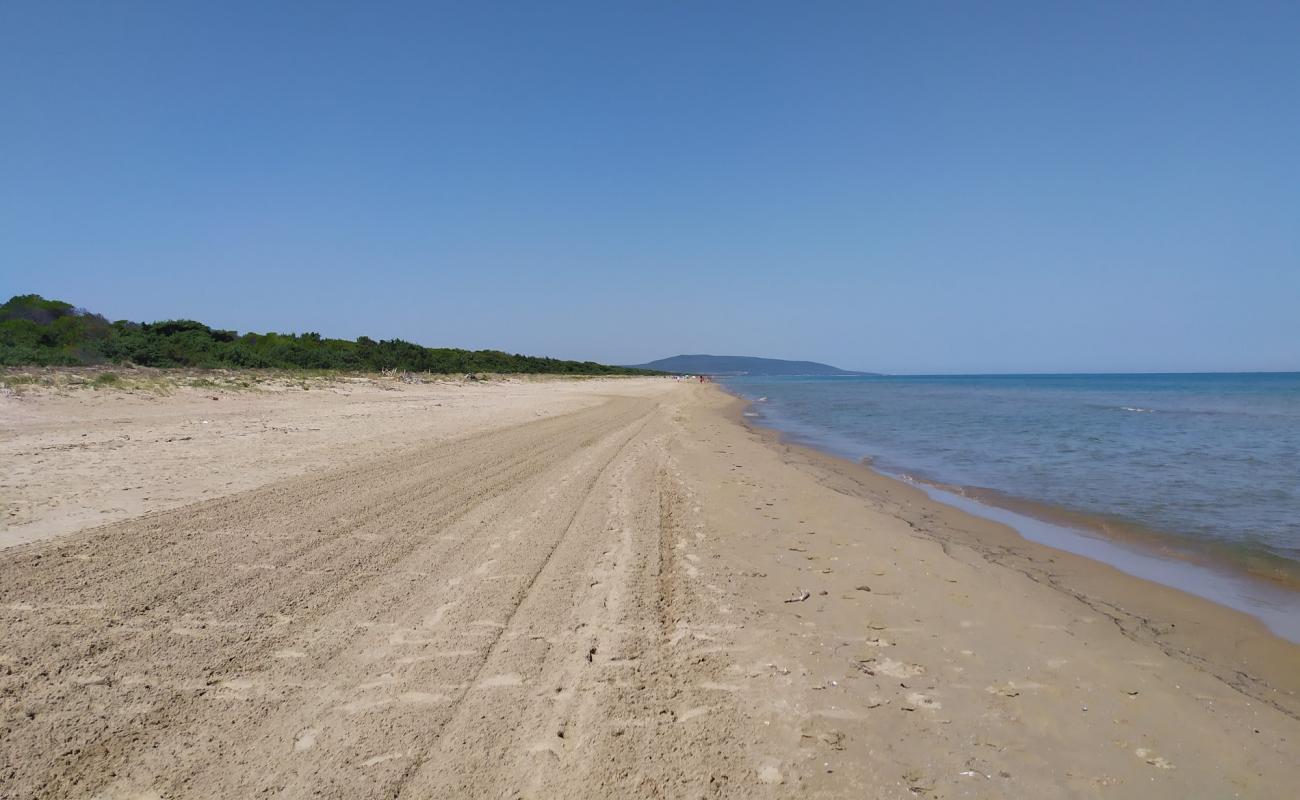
607,588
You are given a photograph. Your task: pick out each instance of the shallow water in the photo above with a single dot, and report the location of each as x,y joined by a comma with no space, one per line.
1212,461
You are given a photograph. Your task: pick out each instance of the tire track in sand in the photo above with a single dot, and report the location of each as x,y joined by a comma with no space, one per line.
86,749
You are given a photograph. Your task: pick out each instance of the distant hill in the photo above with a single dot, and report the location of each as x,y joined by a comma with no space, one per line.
743,365
37,331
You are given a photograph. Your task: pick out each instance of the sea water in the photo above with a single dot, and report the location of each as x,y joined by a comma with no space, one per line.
1211,460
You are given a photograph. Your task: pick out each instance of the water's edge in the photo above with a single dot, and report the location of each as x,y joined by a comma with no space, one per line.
1276,606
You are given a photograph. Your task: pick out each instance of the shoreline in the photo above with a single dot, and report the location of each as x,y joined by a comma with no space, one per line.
1254,565
1262,586
578,589
1275,603
1233,645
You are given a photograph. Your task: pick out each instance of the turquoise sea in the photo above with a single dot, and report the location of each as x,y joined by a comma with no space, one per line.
1205,462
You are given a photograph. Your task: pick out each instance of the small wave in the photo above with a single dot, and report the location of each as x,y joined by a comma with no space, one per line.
1137,410
750,414
761,400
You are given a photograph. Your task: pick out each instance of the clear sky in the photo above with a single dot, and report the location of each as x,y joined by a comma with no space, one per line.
903,186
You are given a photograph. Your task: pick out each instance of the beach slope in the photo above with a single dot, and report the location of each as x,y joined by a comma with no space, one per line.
570,589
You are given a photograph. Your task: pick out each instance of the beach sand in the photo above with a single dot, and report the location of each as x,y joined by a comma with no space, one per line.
572,589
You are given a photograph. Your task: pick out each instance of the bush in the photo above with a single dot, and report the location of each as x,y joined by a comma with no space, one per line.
37,331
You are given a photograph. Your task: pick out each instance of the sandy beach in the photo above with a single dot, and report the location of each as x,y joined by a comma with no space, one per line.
595,588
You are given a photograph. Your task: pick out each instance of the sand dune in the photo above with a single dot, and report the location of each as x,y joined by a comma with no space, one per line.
572,590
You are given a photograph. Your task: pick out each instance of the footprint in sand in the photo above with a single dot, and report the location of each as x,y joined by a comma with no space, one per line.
543,748
423,698
239,684
379,759
1013,689
1152,759
719,687
124,791
498,681
362,706
897,669
435,616
399,638
305,740
770,775
918,700
431,656
692,713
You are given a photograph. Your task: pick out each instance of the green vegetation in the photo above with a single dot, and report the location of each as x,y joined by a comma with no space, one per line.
36,331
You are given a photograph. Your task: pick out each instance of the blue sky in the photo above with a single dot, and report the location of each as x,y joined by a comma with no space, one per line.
905,187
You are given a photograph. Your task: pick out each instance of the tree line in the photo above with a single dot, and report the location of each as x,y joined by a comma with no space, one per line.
37,331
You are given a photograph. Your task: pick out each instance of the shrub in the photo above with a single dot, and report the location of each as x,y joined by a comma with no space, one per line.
34,330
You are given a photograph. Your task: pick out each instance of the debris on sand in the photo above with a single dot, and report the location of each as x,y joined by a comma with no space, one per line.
800,595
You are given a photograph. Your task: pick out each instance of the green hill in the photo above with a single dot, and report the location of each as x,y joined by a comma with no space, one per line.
36,331
743,365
